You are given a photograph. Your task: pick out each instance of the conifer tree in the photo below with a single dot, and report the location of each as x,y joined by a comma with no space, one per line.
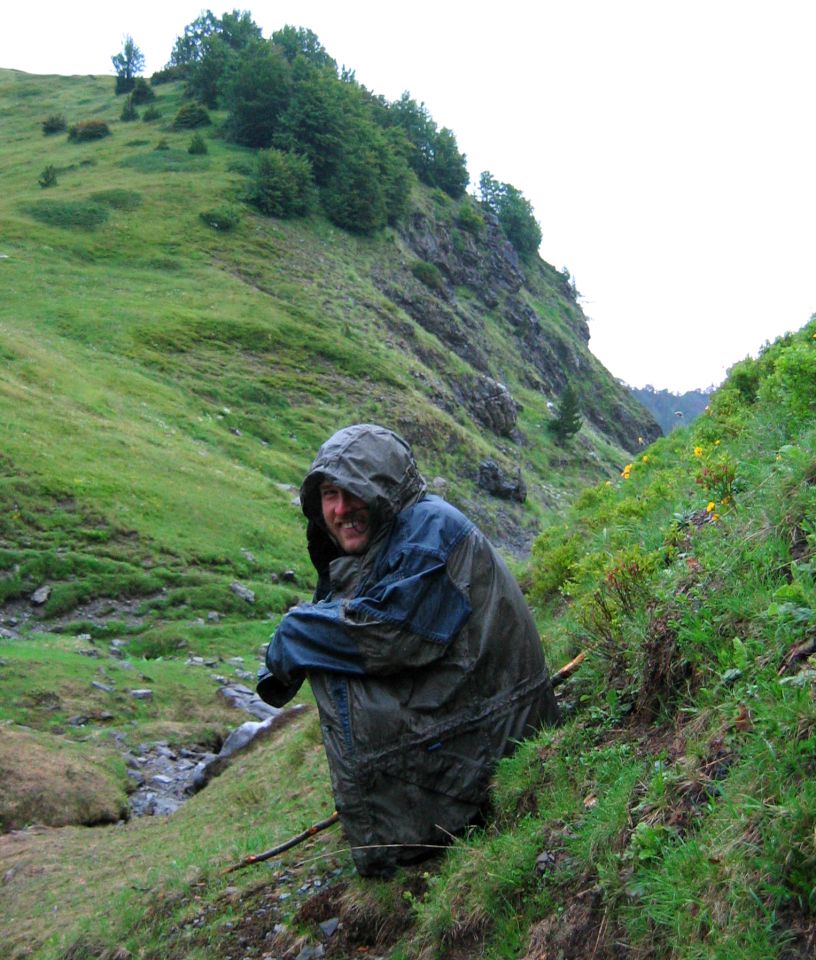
568,419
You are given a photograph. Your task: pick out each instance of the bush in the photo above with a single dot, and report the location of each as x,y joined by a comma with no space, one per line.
221,218
469,219
142,92
191,116
197,145
54,124
85,215
428,273
282,184
124,85
151,114
88,130
119,199
48,178
170,74
129,111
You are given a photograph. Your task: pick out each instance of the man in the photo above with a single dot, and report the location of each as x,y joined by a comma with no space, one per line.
420,650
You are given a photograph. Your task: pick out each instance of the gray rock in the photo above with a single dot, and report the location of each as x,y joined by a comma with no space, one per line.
40,596
329,927
104,687
213,616
142,694
495,482
243,592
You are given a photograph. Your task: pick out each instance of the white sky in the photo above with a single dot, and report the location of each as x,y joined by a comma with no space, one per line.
668,148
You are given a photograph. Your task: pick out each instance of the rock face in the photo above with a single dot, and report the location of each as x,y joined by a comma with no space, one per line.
498,484
492,310
491,405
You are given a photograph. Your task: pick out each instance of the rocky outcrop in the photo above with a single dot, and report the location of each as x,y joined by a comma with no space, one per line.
489,403
492,311
494,481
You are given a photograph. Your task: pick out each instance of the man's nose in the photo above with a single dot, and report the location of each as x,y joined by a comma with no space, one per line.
345,503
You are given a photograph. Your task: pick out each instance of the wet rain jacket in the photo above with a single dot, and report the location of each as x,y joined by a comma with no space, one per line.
421,653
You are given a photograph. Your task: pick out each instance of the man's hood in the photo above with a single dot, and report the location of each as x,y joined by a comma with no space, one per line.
370,462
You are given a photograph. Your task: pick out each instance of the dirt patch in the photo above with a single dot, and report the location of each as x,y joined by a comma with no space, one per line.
581,932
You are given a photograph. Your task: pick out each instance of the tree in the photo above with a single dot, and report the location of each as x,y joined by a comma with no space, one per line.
256,92
514,212
127,64
299,42
208,48
434,155
568,418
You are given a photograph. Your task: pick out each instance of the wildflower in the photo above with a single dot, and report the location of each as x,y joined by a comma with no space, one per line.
645,458
608,483
698,451
717,443
626,471
710,507
726,500
715,517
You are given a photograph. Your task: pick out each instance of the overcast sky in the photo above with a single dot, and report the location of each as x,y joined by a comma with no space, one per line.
668,148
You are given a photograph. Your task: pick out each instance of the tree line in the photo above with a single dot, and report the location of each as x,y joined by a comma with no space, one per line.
324,140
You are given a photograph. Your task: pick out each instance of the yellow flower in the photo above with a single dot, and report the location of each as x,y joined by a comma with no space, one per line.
726,500
645,458
710,506
698,451
715,517
717,443
626,471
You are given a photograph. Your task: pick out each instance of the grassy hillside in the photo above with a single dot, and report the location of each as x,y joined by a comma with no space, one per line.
163,384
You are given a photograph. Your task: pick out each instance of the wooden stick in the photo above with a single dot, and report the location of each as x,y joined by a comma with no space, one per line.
567,671
287,845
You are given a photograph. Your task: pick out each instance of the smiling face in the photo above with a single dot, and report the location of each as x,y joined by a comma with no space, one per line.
346,517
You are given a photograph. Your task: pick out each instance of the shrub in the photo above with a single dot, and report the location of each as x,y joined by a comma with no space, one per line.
129,111
191,116
48,178
54,124
428,273
170,74
152,113
221,218
469,219
118,199
162,144
142,91
124,85
282,184
197,145
88,130
85,215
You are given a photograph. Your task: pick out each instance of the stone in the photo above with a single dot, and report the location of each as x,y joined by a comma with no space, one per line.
104,687
40,596
213,616
492,479
243,592
329,927
142,694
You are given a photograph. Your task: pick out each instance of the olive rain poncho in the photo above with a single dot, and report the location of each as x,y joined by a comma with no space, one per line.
422,655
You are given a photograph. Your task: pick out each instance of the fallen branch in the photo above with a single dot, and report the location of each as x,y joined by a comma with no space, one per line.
287,845
567,671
